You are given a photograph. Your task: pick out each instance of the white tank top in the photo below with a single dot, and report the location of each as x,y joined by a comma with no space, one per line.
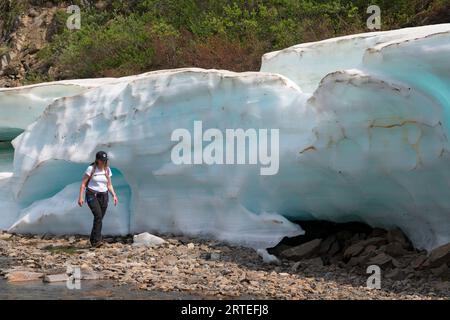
98,182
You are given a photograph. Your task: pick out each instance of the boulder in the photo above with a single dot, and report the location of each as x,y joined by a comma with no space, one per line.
353,250
21,276
327,244
358,261
395,249
439,256
334,249
381,260
397,235
147,239
303,251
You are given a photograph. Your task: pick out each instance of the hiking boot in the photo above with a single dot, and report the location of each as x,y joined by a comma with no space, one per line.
97,244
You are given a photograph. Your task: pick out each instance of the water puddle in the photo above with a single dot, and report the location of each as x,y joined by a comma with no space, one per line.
90,290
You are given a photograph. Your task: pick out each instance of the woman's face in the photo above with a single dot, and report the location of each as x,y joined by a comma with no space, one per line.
101,163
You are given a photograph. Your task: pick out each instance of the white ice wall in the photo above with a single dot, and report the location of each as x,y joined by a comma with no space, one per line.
363,124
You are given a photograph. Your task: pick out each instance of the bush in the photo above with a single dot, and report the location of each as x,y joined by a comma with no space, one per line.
121,46
129,37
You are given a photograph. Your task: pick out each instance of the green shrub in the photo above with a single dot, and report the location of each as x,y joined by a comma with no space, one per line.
136,36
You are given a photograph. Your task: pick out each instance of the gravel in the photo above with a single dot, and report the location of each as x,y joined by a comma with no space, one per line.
208,268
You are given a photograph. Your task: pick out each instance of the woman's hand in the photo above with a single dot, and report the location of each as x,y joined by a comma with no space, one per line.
116,200
80,201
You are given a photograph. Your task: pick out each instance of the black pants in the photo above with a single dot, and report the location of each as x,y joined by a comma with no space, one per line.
98,203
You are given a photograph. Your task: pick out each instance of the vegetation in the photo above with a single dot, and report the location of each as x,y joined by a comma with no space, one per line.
9,10
126,37
69,250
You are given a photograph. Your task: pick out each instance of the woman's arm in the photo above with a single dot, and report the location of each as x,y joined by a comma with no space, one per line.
111,190
82,189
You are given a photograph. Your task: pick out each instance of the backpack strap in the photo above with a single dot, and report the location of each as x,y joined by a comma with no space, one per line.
107,172
90,176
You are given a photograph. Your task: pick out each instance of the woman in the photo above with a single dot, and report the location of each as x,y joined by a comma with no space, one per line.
97,182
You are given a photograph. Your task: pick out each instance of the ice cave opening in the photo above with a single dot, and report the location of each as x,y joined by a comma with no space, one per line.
6,157
45,207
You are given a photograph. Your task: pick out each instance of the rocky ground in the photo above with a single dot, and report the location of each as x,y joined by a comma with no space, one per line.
211,268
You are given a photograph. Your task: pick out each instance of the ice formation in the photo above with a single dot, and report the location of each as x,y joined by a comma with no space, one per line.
22,106
363,124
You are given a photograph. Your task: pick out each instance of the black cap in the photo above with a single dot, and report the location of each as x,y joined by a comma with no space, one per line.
101,155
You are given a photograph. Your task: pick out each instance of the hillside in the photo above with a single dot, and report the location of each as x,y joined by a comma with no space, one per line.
123,38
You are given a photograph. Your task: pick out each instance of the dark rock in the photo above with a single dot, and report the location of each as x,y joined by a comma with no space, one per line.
334,249
370,250
358,261
278,249
357,238
396,263
303,251
337,260
326,244
396,274
442,271
353,250
376,241
397,235
417,262
439,256
382,260
395,249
